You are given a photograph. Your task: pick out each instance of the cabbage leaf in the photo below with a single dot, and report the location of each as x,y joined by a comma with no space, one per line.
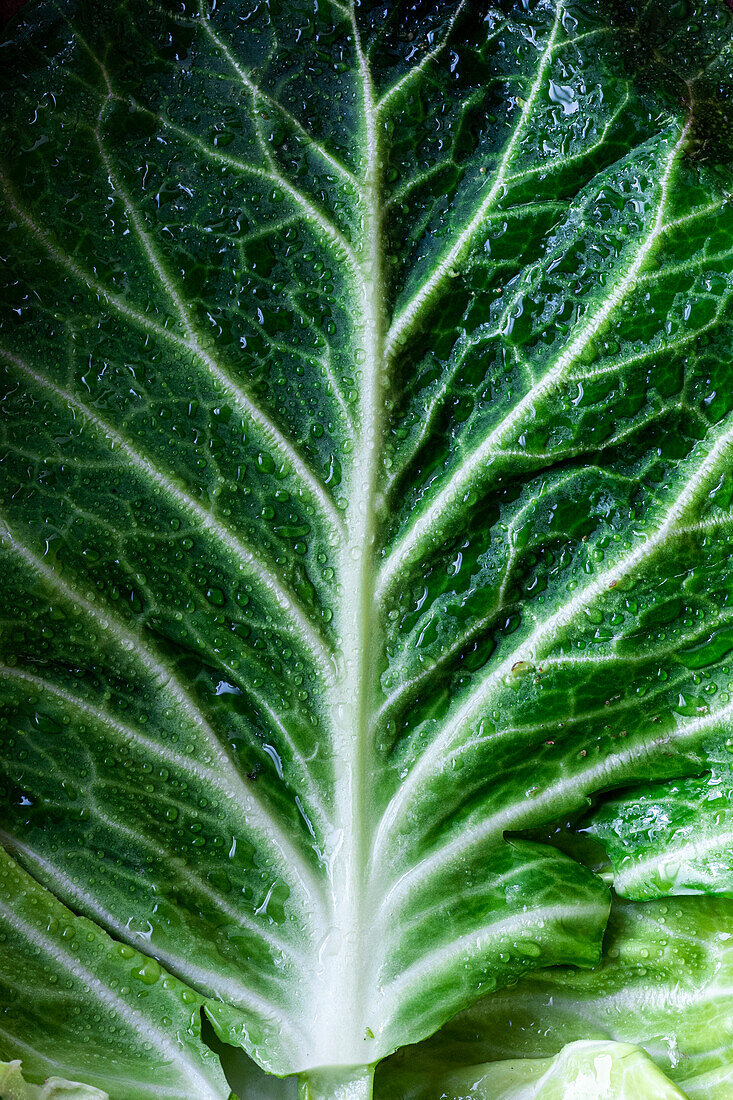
365,486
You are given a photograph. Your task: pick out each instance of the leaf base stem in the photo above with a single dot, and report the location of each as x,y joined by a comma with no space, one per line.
337,1083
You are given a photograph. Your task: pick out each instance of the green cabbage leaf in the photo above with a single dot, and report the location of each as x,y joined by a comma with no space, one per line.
365,524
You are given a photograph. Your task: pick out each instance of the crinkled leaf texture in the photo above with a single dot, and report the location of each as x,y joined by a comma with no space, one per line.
366,440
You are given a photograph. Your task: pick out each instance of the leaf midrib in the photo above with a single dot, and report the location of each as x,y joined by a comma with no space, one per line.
357,895
344,996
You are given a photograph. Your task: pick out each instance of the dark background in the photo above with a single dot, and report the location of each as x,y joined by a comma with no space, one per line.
7,8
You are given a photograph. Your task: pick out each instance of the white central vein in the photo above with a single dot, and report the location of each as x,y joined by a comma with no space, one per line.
344,993
348,916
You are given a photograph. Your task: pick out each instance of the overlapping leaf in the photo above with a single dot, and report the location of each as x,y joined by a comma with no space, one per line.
665,984
366,459
585,1070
